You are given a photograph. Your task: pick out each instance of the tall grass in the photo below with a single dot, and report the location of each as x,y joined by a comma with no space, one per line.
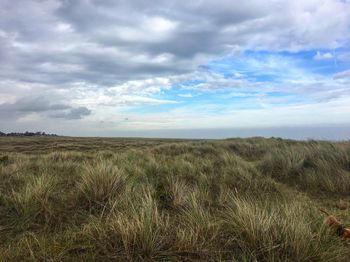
33,200
100,181
135,200
140,232
278,232
313,167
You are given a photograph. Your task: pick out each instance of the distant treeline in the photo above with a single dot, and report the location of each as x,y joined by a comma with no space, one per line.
26,134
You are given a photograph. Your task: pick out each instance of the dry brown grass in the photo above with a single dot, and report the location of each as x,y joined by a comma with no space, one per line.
238,200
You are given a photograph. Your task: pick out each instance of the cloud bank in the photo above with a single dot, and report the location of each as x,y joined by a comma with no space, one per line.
167,65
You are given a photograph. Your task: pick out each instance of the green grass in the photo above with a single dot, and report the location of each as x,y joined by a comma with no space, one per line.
100,199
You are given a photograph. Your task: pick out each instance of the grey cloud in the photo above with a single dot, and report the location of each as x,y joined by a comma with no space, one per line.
30,105
32,36
42,106
74,113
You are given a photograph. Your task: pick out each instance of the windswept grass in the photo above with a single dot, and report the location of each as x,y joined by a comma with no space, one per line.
285,232
33,200
142,232
100,181
144,200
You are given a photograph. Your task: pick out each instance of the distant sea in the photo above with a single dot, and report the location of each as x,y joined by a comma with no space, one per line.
335,132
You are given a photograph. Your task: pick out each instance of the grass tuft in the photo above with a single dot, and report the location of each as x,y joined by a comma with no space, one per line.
32,202
100,181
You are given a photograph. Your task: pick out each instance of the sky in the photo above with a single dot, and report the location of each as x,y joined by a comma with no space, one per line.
194,69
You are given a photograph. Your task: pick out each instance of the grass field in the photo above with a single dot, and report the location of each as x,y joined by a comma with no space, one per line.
99,199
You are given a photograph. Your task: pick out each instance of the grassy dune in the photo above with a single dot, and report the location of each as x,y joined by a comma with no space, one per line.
89,199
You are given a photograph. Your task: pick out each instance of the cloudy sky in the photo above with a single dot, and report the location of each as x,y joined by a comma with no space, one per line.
172,68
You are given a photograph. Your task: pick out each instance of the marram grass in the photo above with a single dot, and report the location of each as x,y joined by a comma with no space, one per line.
67,199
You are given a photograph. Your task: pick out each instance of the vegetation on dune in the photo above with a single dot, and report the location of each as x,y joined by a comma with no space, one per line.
66,199
38,133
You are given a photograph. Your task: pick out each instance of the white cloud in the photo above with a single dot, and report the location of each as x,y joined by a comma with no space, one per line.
150,29
63,28
323,56
334,112
343,74
145,86
188,95
159,25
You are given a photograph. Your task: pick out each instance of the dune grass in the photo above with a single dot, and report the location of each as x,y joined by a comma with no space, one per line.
135,200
